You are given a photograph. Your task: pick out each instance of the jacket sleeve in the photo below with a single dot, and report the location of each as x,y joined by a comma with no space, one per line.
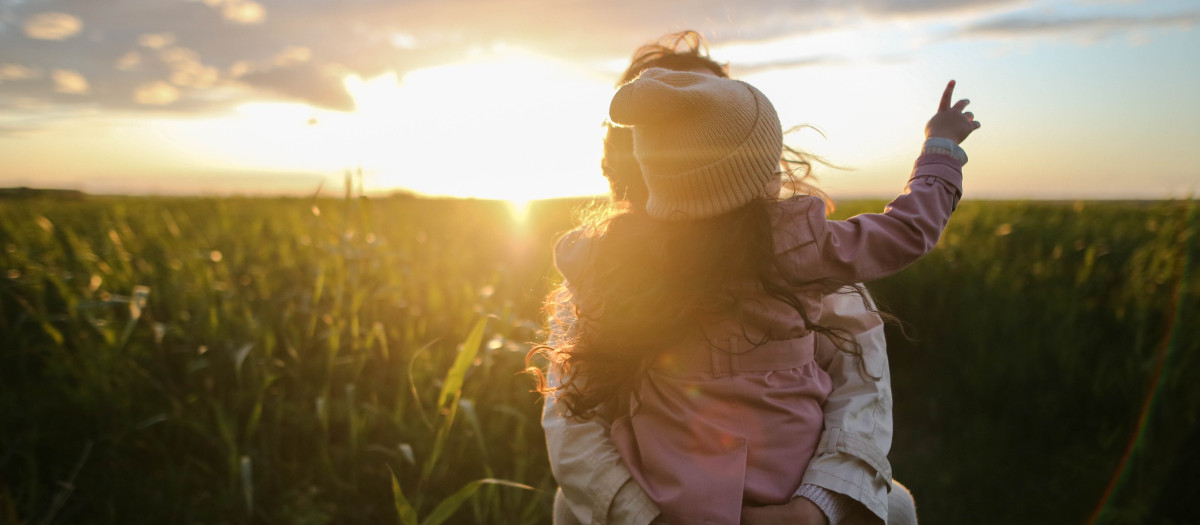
851,457
874,245
598,489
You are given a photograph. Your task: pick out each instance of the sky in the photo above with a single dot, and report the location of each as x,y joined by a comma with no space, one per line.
505,98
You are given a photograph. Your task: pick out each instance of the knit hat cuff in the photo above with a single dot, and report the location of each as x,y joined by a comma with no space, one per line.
720,187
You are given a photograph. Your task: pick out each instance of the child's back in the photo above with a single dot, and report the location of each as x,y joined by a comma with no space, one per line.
726,414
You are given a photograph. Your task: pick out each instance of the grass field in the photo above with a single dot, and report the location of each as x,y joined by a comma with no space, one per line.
298,361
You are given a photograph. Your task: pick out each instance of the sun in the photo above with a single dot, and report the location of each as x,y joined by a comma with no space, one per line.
519,208
504,124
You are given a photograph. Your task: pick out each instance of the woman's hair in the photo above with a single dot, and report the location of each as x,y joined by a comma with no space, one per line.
652,283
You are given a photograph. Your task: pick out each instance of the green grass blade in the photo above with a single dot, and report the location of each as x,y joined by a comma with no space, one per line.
454,378
451,390
450,505
412,383
248,484
404,510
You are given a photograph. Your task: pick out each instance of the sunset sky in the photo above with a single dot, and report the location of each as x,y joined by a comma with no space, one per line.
504,98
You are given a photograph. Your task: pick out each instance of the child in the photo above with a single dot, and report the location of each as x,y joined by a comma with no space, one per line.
697,319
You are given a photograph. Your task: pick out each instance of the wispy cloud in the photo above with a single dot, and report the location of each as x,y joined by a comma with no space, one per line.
156,40
52,26
69,82
1026,24
17,72
156,93
239,11
910,7
742,69
319,85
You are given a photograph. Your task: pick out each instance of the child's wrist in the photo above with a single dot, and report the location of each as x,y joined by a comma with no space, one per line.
944,146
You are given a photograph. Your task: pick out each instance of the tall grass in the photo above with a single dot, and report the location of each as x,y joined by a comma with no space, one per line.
1044,330
356,361
263,360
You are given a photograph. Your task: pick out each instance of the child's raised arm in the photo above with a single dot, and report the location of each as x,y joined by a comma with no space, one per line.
874,245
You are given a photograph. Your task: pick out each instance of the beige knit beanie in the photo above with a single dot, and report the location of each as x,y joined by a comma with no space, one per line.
706,145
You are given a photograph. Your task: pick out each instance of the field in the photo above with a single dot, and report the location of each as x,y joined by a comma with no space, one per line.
357,361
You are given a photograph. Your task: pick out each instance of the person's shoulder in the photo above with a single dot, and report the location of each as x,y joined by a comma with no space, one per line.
792,220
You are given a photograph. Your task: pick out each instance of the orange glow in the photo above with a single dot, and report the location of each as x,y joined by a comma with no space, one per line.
507,124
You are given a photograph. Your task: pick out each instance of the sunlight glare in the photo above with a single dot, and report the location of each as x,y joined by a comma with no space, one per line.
519,209
505,124
275,136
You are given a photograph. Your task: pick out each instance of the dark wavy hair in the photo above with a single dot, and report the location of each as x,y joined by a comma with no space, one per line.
652,283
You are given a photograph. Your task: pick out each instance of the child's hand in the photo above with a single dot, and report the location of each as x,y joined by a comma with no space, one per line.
951,122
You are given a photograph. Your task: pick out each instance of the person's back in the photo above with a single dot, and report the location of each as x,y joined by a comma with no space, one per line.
698,318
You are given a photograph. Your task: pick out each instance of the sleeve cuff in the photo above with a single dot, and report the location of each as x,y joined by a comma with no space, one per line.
945,146
631,505
835,506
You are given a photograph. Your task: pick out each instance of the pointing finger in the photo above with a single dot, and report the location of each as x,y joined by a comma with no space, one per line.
946,95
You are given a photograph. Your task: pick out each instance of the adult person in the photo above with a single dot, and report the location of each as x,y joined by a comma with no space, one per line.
849,479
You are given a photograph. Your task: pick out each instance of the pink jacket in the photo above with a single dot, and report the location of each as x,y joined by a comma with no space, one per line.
723,423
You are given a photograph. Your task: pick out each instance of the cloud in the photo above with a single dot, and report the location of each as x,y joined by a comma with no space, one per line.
69,82
747,68
129,61
156,94
156,40
18,72
52,26
1032,24
186,68
319,86
293,55
244,12
911,7
178,56
240,11
240,68
195,75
